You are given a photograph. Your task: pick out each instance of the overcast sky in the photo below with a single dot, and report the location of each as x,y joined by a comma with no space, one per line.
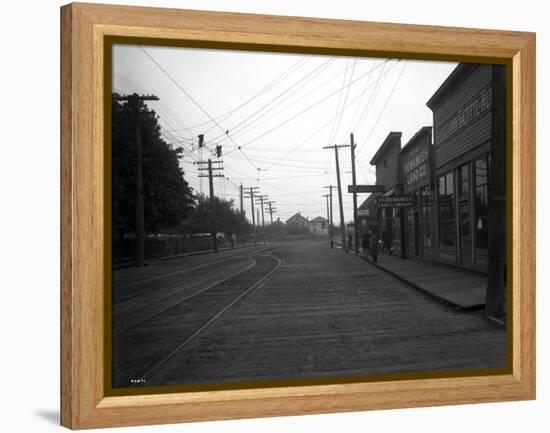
281,110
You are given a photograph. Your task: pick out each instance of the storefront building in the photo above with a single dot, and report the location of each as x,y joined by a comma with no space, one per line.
415,167
386,222
455,207
463,128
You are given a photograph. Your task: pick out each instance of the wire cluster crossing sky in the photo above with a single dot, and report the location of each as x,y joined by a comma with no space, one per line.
273,113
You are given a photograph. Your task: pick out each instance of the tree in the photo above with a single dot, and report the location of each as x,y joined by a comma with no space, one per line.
277,230
167,196
228,219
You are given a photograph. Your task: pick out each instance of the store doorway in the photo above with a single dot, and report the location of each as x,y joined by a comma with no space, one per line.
465,248
416,233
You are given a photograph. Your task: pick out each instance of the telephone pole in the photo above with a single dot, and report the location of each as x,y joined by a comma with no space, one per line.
271,211
354,181
250,193
496,210
327,196
241,197
261,203
210,176
140,203
331,221
342,222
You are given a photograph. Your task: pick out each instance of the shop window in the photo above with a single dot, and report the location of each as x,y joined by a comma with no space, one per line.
463,182
426,229
446,211
396,236
426,233
481,202
411,232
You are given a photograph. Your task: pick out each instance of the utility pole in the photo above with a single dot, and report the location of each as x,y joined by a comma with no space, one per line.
210,176
251,192
241,197
331,221
271,210
261,202
342,222
328,217
213,219
140,203
354,181
496,211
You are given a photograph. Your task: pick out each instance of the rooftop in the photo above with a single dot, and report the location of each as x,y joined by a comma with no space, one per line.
318,219
422,131
296,216
385,147
451,83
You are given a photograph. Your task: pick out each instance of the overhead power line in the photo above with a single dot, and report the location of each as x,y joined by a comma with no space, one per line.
303,111
191,98
312,73
258,122
384,107
372,98
264,89
318,129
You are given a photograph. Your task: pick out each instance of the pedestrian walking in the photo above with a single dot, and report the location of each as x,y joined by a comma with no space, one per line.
350,238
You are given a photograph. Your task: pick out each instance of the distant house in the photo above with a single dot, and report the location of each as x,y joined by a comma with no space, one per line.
319,225
278,222
297,221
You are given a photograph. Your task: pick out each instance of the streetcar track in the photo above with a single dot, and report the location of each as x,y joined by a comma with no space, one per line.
188,340
142,345
120,305
237,258
187,298
182,271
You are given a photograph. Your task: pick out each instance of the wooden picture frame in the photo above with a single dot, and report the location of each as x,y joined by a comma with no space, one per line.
84,29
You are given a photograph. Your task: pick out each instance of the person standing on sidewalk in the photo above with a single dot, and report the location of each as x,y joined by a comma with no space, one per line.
373,247
386,239
365,243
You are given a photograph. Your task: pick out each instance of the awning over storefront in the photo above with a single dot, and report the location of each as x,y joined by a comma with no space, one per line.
396,190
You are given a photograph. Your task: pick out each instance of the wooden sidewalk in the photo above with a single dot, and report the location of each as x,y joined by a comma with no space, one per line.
461,289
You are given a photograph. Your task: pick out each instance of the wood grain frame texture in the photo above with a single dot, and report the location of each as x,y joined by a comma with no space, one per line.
83,28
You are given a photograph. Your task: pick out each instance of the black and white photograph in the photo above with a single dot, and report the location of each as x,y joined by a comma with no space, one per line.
285,217
271,216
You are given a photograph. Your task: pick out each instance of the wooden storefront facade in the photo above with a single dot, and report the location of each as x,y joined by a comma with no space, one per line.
446,173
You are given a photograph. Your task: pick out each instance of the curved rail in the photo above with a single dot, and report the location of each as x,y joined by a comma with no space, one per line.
185,299
216,316
183,271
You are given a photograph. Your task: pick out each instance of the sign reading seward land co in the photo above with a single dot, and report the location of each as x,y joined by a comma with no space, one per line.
402,201
366,188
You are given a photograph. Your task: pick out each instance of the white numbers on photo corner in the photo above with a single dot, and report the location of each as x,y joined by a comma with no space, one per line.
136,381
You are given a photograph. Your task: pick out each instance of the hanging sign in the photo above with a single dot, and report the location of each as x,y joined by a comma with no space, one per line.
401,201
366,188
